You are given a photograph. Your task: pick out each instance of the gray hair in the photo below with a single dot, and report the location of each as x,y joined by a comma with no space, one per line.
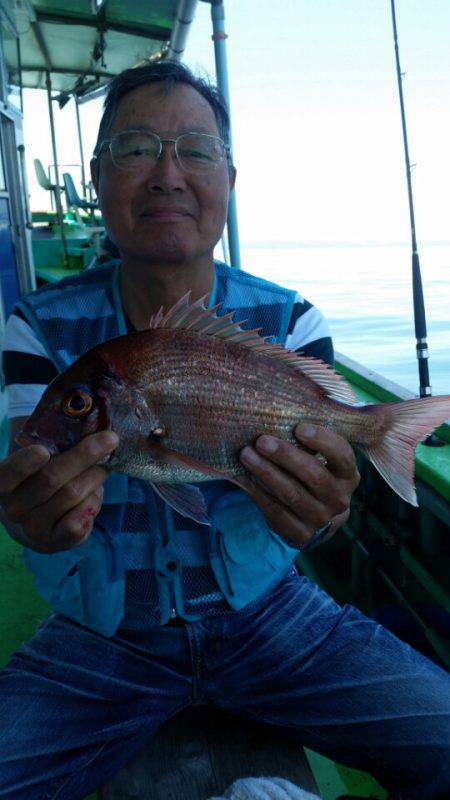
168,74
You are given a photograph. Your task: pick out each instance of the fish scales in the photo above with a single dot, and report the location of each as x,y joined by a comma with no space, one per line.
231,394
185,403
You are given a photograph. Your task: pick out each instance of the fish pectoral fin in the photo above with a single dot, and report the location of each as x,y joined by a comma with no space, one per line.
185,499
168,456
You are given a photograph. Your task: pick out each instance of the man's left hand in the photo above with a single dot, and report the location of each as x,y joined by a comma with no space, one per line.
298,491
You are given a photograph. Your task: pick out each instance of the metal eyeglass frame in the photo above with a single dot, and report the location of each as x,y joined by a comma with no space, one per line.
226,148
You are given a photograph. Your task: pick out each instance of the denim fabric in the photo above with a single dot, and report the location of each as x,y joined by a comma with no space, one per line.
75,706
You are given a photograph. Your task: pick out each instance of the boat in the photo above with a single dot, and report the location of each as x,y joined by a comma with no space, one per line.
391,560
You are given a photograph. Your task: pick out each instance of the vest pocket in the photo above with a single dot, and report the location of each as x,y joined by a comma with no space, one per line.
244,533
246,556
85,583
57,579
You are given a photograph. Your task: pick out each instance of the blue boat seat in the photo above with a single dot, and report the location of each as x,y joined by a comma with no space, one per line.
73,198
75,203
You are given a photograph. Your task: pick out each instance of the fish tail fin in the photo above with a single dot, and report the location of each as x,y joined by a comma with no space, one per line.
409,422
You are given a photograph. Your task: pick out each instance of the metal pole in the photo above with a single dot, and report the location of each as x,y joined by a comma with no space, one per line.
419,305
80,142
220,53
59,211
19,67
184,18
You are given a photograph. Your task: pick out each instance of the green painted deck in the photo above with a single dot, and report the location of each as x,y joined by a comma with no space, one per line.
52,274
21,609
48,260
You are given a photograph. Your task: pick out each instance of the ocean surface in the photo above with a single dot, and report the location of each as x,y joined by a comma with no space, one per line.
365,293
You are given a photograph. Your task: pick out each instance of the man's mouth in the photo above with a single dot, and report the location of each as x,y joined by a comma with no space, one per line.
167,214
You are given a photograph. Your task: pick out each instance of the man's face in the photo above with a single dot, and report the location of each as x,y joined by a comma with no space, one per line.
163,213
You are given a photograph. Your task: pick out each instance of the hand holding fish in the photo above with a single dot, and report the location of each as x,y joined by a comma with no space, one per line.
188,394
297,492
49,504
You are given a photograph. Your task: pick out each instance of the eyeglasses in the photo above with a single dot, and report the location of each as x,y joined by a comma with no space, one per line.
195,152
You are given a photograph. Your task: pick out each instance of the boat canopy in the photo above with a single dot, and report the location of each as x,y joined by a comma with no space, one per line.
84,43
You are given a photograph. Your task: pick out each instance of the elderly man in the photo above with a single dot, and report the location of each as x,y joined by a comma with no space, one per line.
153,611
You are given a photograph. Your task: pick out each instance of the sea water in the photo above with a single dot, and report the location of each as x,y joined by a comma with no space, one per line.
365,292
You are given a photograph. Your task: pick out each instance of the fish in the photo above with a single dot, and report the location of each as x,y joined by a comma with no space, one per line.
186,394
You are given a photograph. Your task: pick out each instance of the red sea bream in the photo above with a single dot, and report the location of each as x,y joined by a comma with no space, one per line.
186,395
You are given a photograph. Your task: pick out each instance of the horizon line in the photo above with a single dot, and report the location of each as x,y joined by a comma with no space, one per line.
285,244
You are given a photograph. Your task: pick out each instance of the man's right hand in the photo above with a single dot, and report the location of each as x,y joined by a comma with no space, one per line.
50,503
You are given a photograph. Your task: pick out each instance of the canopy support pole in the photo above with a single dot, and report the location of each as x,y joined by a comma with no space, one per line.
220,53
80,142
183,20
59,211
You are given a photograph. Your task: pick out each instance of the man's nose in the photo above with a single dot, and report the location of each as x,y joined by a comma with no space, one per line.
166,175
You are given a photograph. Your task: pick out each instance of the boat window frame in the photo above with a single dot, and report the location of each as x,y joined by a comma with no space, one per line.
6,87
16,191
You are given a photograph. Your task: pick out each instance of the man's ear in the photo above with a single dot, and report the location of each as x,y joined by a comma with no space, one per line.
95,166
233,174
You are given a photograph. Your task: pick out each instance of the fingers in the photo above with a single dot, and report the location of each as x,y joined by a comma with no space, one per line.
58,472
280,519
21,465
301,489
55,500
73,529
70,496
336,450
303,480
285,485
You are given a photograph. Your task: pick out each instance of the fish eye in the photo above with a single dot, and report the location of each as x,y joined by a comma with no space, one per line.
77,403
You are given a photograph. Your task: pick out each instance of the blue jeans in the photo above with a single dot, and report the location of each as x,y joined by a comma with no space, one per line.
75,706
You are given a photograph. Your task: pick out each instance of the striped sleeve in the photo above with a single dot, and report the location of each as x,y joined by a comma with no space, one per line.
26,366
308,332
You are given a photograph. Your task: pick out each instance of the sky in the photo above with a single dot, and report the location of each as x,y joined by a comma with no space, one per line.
316,119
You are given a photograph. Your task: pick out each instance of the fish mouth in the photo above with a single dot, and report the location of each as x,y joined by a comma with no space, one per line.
27,439
104,462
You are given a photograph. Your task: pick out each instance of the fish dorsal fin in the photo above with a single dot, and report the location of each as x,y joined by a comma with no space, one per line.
198,317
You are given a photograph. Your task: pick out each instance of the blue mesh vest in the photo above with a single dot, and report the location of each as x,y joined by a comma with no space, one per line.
144,561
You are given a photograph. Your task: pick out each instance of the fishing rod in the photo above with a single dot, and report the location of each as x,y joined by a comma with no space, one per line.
418,300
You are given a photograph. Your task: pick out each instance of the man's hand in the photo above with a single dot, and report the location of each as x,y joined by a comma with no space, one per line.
297,491
49,504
